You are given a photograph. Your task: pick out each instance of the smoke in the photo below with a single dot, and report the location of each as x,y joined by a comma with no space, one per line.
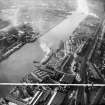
21,11
11,15
45,47
36,12
82,6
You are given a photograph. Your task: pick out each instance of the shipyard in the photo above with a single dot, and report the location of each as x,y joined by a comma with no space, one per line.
52,52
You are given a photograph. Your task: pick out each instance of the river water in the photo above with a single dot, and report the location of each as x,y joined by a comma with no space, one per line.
19,63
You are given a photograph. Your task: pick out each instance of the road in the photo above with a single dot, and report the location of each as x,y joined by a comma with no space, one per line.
20,62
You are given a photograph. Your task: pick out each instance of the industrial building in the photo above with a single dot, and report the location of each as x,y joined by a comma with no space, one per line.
52,52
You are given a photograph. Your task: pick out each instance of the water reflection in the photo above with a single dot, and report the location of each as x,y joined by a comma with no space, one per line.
19,63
